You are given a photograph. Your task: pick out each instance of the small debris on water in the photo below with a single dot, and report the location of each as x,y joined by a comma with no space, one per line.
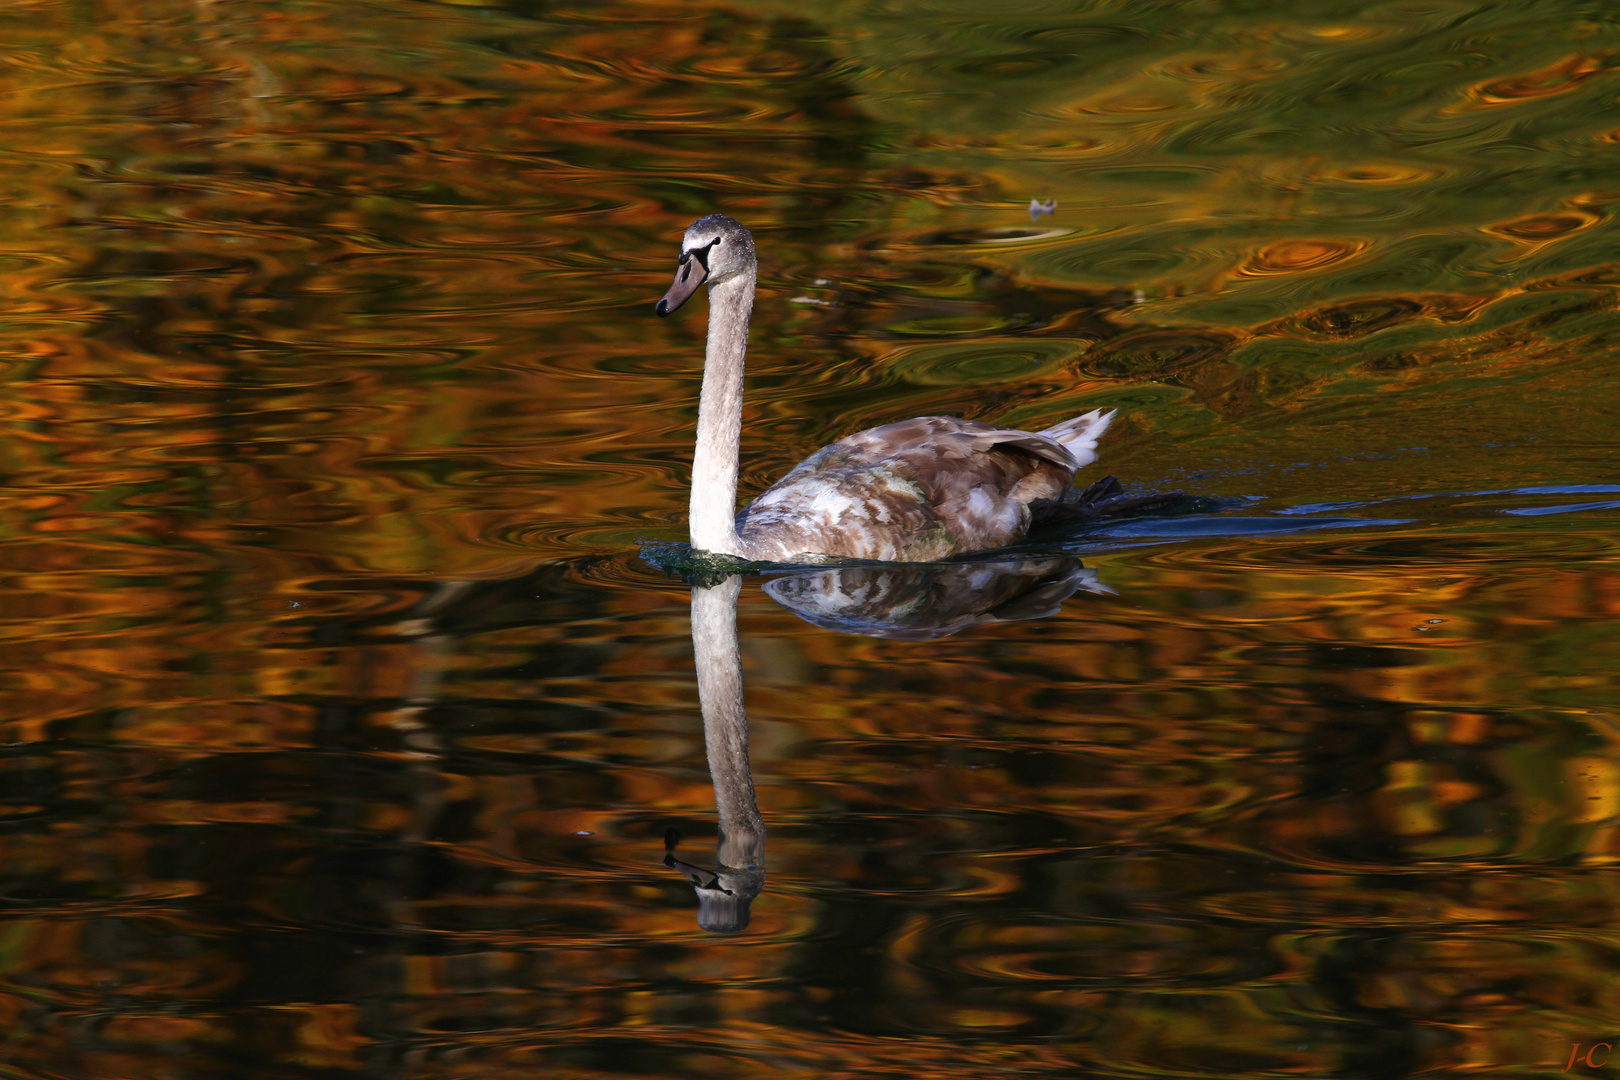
1038,209
811,300
584,832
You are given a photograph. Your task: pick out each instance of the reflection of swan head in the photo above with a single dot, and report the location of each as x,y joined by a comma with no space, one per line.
724,895
920,601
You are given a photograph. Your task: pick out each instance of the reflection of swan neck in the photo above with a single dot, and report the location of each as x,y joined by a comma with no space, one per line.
719,428
725,734
720,690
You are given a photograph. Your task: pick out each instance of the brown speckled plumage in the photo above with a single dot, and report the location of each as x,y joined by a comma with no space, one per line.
914,491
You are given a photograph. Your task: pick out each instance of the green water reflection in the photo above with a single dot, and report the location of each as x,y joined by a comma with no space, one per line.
343,725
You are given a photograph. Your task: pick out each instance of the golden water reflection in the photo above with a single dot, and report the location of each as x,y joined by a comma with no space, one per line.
342,726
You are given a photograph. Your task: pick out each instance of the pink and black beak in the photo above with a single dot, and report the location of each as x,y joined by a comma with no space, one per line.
692,271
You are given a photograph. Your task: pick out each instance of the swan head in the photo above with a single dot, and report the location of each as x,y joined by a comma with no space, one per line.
716,249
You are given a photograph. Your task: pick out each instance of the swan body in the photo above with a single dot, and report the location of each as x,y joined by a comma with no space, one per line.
914,491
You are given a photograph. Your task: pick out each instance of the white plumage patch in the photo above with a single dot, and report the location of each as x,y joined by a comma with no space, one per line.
1079,436
981,505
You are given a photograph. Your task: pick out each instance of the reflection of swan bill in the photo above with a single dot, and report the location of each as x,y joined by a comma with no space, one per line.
917,602
724,895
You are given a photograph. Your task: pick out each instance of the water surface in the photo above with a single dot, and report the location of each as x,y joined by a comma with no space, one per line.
345,727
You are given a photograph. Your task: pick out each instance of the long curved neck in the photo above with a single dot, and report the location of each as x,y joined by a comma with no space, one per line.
719,429
725,725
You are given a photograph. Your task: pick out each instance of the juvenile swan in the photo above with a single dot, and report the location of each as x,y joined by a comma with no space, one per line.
913,491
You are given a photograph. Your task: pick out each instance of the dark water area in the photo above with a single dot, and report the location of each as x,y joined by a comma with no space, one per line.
346,731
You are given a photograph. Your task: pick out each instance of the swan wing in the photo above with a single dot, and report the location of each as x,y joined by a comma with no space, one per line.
912,491
949,437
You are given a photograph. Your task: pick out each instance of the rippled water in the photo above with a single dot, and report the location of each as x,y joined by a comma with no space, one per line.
347,731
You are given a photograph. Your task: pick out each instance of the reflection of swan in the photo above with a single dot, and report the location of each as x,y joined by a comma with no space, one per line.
724,895
911,603
915,491
920,603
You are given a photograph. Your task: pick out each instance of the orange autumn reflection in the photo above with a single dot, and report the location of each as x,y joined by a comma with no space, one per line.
344,727
1557,78
1300,256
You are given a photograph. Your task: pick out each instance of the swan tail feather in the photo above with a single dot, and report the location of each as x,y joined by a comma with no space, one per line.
1079,436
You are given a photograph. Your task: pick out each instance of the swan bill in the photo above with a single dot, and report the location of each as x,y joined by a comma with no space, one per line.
691,273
